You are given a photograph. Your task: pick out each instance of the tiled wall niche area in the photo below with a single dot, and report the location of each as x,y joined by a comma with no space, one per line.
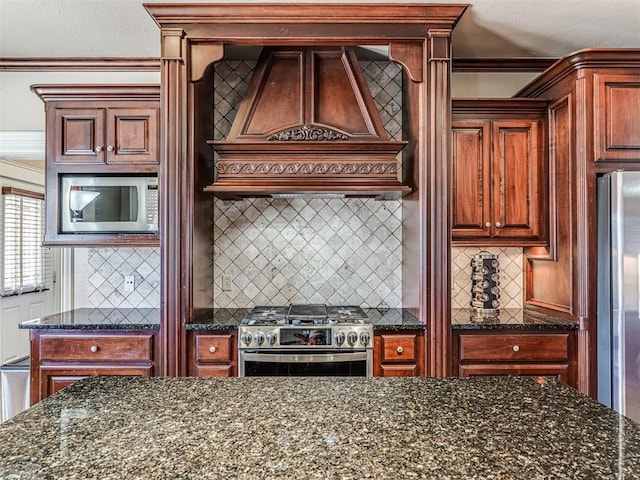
307,250
511,275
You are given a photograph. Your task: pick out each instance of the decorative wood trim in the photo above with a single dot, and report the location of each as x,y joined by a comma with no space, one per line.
96,92
587,58
493,65
201,55
79,64
22,193
498,106
410,56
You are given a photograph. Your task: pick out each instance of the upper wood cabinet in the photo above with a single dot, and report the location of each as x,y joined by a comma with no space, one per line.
98,130
106,135
497,174
617,124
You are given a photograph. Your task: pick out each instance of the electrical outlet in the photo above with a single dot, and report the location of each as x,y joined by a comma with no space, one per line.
226,283
129,283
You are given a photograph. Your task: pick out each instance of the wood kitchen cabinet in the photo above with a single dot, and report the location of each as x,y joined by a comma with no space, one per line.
213,353
521,353
94,135
59,358
616,106
498,174
98,130
398,353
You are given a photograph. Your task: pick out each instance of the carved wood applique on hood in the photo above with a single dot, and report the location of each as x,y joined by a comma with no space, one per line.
307,126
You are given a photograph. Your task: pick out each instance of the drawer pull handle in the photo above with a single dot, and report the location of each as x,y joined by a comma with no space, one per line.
98,149
212,349
498,225
94,348
399,350
516,348
109,148
487,225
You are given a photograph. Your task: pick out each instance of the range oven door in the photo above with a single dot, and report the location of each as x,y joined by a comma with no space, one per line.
305,363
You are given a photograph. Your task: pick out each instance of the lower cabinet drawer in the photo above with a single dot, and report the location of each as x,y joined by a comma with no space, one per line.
529,347
398,348
55,379
213,348
96,348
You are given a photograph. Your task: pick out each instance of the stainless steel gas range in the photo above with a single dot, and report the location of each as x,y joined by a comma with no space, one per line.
305,340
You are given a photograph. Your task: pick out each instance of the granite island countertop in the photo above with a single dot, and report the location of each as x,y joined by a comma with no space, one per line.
319,428
99,319
230,318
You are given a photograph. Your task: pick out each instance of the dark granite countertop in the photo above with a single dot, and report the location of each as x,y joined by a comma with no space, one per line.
319,428
98,319
508,319
230,318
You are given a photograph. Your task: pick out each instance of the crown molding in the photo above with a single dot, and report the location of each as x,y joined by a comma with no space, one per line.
76,64
489,65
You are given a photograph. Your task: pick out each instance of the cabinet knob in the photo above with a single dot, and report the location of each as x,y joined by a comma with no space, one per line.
94,348
488,224
109,148
516,348
399,350
98,149
498,225
212,349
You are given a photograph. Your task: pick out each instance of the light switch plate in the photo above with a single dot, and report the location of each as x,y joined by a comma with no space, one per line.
129,283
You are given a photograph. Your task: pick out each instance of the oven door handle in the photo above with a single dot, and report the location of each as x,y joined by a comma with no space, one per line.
309,358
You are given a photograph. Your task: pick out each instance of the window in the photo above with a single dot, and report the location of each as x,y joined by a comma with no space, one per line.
26,265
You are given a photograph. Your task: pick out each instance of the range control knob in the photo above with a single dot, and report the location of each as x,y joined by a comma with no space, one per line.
246,338
271,338
352,338
340,336
259,338
364,339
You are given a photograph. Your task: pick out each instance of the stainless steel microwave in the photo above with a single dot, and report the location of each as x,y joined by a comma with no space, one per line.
108,204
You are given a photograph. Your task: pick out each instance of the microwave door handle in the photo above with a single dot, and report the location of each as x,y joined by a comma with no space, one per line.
305,358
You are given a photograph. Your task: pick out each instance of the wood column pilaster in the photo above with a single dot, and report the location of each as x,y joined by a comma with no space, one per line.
438,139
172,179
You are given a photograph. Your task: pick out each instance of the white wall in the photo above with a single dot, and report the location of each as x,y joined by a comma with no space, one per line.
488,85
22,110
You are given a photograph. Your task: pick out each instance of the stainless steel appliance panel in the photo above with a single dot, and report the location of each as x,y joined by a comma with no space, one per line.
619,292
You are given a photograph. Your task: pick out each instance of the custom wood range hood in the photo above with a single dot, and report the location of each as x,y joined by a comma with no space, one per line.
308,126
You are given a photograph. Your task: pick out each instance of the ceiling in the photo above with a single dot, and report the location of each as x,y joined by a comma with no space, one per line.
489,28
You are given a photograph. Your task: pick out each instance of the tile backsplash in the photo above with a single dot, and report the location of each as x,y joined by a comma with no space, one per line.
335,251
99,277
511,275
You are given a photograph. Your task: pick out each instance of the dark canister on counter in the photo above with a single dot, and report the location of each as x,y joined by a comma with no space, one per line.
485,284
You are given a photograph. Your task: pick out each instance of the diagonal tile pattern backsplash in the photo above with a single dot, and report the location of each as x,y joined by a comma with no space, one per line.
511,275
299,251
105,271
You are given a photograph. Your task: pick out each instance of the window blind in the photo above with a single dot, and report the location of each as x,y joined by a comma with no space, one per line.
26,265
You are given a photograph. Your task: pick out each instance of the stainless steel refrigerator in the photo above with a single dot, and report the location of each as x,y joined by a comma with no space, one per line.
619,292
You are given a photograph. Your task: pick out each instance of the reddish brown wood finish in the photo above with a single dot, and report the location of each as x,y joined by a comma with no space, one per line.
59,358
584,110
419,34
498,186
98,129
212,354
617,124
398,354
535,353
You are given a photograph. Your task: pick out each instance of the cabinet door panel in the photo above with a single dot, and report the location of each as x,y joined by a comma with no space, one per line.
54,379
399,348
79,136
214,348
471,191
399,370
515,179
560,371
617,124
214,371
133,135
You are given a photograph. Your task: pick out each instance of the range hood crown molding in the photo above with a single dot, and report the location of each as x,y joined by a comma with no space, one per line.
308,125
